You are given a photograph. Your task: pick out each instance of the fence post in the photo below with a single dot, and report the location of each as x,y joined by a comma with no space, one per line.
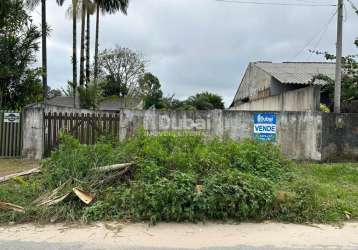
33,133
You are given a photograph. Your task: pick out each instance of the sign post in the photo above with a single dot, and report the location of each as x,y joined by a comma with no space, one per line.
265,127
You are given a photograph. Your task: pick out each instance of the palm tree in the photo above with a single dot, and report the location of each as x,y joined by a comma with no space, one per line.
87,6
73,13
32,4
90,9
106,6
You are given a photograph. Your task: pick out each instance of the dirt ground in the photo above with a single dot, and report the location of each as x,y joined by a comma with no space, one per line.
12,166
109,235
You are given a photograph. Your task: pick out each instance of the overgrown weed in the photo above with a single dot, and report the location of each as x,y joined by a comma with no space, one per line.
187,177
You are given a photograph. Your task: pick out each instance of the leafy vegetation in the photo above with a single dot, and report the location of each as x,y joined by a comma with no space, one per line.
187,177
320,193
19,37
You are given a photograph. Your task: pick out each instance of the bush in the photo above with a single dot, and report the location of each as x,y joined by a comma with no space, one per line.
175,178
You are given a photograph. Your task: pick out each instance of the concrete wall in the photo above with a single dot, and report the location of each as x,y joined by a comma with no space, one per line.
301,135
33,133
304,99
340,137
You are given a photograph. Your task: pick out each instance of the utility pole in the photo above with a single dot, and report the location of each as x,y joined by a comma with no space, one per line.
338,83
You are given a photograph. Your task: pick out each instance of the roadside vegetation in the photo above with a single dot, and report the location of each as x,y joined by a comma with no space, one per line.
183,178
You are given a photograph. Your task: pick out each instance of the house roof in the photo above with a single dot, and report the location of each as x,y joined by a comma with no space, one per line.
120,103
62,101
298,72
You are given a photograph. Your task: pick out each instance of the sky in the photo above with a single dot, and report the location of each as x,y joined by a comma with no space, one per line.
204,45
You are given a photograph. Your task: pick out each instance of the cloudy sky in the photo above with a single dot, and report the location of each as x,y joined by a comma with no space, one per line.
197,45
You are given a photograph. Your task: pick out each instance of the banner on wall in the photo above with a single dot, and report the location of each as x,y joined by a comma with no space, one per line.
265,127
12,117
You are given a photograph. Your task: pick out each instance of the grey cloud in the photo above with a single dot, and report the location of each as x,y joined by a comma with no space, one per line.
196,45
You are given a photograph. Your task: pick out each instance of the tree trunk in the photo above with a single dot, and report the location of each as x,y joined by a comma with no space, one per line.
74,50
44,49
88,33
82,59
96,48
1,97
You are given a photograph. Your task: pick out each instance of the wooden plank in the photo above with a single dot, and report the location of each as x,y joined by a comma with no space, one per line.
49,133
54,127
6,139
11,139
110,124
2,144
116,126
93,120
82,127
71,124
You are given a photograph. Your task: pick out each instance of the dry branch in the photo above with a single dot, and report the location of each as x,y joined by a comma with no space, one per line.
25,173
53,197
11,206
112,167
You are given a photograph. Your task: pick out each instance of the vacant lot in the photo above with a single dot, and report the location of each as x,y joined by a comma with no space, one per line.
11,166
181,178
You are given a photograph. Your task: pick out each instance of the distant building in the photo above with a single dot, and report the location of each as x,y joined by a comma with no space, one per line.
288,86
111,104
119,103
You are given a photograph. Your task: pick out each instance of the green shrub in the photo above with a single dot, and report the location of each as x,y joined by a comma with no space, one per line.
184,177
227,195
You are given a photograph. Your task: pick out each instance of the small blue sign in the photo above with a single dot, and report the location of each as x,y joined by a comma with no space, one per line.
265,127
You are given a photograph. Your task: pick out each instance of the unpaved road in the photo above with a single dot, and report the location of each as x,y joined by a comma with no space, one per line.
178,236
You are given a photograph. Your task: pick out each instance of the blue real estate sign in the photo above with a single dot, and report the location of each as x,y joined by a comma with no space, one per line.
265,127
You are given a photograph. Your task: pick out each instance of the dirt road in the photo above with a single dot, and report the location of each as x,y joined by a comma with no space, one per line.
179,236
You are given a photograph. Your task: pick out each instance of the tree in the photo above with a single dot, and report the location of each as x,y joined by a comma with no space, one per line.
88,96
53,93
106,6
19,84
87,7
206,101
73,13
121,69
44,32
150,90
90,9
79,8
349,96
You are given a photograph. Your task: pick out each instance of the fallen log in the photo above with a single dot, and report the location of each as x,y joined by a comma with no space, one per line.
11,206
21,174
111,168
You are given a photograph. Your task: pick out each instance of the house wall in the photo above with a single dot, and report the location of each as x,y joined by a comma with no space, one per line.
304,99
254,81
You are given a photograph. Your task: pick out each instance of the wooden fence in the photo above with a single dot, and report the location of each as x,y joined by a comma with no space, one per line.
87,128
10,134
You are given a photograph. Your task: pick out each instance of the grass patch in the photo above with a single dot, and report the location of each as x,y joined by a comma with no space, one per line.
187,178
11,166
321,193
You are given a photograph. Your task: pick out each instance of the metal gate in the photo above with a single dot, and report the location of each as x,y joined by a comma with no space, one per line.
10,134
87,128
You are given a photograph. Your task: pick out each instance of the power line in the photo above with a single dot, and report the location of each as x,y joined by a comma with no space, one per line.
279,3
320,34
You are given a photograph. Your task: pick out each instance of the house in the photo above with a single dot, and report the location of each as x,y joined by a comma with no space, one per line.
112,104
287,86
